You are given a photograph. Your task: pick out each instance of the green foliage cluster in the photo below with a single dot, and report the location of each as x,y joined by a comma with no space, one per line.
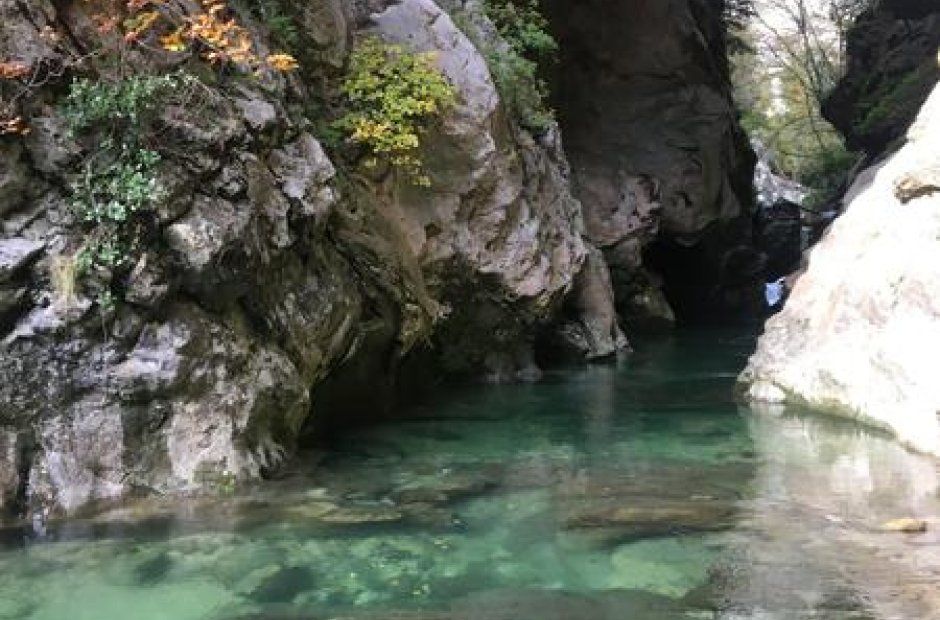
779,84
118,183
280,25
123,104
515,68
392,96
522,25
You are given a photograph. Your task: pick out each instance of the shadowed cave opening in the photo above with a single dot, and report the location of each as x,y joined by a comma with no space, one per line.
664,172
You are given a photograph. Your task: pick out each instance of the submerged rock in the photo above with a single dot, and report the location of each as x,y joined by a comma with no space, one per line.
277,584
561,605
628,519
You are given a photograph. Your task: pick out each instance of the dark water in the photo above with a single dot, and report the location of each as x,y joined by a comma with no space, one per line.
639,491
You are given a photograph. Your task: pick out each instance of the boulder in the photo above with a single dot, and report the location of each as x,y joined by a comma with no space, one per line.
498,232
860,333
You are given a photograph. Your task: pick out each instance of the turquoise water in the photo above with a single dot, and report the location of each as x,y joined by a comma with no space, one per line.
634,491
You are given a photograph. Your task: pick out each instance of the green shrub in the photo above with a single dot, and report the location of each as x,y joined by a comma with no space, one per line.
515,69
282,28
522,25
522,91
117,185
100,105
392,96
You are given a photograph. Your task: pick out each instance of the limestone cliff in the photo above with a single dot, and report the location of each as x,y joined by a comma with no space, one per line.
266,273
892,67
860,333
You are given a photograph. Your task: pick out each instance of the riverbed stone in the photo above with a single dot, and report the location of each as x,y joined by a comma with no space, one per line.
444,487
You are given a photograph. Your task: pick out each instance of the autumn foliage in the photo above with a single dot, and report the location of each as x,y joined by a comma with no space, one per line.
212,31
208,29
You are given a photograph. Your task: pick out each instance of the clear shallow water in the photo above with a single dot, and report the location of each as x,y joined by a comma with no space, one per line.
631,492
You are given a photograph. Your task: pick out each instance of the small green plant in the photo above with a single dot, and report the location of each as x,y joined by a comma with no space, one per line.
282,28
126,103
515,68
226,484
392,96
117,184
524,93
522,25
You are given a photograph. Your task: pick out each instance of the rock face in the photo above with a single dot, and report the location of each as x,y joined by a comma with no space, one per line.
860,332
498,233
892,67
278,280
266,281
660,164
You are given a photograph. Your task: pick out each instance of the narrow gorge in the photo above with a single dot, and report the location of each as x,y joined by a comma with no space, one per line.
438,310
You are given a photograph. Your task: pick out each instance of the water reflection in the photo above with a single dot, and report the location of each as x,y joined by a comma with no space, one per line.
813,545
638,492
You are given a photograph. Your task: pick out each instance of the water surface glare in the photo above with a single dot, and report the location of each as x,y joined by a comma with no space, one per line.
635,491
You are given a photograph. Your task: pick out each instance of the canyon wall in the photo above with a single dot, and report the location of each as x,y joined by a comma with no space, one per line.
281,285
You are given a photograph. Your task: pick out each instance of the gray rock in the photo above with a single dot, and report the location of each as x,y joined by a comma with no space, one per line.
498,230
9,469
656,153
304,172
13,177
891,69
10,300
326,26
257,112
594,331
15,254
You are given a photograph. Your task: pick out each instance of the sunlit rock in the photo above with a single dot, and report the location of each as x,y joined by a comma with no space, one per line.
860,333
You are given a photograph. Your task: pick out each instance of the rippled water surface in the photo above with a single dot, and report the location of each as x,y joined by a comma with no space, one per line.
637,491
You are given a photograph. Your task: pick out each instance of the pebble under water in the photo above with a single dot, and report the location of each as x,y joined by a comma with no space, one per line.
634,491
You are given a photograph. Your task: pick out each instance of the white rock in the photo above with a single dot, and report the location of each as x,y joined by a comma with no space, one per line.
860,333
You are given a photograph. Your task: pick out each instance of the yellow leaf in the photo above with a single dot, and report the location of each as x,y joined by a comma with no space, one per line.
173,42
282,62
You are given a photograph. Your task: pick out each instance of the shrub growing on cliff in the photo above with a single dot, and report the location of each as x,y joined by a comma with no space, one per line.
117,183
392,96
515,67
